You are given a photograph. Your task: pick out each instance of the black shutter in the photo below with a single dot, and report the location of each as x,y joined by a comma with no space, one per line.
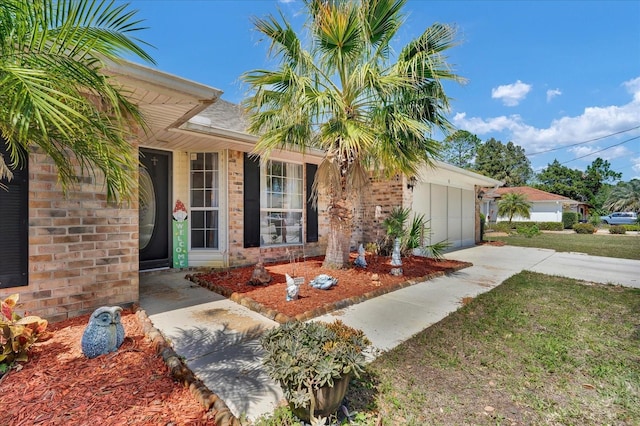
312,212
251,201
14,231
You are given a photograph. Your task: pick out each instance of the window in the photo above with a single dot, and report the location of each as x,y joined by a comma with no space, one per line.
205,200
281,203
14,232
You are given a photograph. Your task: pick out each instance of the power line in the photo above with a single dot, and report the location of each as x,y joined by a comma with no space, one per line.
604,149
585,142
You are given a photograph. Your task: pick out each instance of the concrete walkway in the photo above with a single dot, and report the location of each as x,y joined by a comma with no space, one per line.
219,338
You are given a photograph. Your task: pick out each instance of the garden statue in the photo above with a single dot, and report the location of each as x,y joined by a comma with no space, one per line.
293,288
260,276
323,282
104,333
395,258
360,260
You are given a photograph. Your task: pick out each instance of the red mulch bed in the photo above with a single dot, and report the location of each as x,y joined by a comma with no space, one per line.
354,284
60,386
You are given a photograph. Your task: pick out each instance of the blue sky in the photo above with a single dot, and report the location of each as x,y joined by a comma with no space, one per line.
547,75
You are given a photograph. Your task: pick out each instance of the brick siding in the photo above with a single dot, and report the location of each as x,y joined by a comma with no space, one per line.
83,252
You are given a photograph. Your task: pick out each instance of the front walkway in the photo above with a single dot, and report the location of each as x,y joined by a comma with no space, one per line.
219,338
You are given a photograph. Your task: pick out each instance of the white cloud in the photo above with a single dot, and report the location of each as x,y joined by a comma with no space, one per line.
594,122
583,151
633,86
480,126
511,94
636,164
552,93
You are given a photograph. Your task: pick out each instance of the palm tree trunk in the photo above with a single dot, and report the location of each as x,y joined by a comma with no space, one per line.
339,238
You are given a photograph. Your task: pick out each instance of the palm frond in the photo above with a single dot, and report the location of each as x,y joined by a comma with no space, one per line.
56,95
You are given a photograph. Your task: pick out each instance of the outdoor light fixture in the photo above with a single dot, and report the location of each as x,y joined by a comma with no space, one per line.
480,195
411,182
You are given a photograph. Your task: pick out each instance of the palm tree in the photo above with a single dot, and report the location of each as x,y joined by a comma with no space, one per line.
54,92
345,96
514,204
624,196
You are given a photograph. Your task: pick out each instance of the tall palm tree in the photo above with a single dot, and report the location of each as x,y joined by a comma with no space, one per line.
54,92
514,204
346,96
624,196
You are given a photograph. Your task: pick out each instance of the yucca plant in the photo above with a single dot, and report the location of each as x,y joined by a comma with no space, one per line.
411,237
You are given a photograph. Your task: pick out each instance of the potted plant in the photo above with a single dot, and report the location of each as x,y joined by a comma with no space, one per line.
313,362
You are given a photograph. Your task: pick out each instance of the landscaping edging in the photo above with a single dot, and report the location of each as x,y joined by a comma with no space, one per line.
249,303
183,374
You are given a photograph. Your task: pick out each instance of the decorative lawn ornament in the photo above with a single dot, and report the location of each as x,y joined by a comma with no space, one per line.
360,260
104,333
323,282
293,288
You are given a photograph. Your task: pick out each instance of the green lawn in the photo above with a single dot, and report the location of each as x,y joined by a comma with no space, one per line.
621,246
535,350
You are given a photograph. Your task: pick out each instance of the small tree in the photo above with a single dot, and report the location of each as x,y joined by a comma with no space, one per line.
514,203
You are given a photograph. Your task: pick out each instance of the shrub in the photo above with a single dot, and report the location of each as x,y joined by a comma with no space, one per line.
594,219
411,237
617,229
17,334
584,228
569,219
502,227
528,231
632,227
305,356
550,226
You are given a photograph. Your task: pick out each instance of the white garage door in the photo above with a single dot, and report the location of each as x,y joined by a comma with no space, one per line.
450,211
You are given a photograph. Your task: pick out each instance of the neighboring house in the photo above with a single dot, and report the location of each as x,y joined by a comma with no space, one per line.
545,206
66,256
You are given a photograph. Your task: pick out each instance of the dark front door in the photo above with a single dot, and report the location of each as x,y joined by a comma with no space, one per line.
154,209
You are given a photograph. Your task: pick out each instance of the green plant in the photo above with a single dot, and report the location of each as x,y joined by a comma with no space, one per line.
528,231
584,228
514,204
372,247
594,219
569,219
501,227
617,229
306,356
394,224
411,237
17,334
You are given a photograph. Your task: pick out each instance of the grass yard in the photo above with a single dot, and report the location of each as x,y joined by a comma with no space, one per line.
621,246
535,350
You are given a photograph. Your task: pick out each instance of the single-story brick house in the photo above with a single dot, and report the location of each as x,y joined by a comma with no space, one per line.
66,256
545,206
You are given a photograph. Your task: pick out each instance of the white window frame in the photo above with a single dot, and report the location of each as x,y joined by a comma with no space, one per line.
274,236
214,208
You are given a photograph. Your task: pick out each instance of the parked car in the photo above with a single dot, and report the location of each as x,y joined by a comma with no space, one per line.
622,218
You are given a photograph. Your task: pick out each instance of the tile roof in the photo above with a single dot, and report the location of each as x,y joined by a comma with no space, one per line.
531,193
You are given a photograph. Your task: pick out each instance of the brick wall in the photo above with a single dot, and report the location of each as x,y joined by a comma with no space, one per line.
377,201
83,253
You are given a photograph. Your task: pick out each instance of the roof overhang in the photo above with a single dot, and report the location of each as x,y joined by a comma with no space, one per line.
165,101
449,175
